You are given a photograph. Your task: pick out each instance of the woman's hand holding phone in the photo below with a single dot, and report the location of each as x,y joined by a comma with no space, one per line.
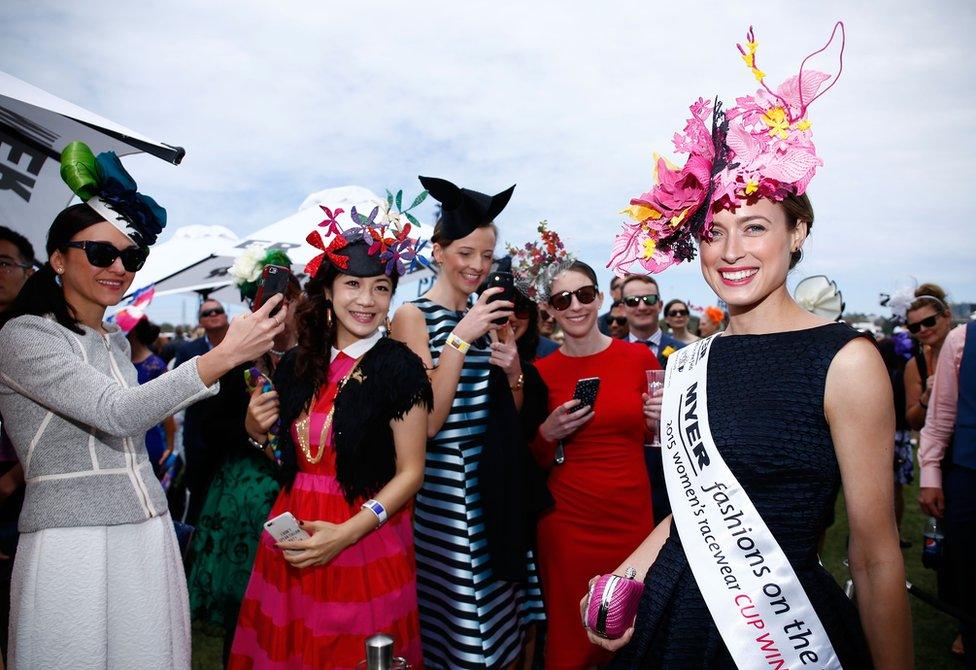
250,336
565,420
479,319
504,353
262,413
327,540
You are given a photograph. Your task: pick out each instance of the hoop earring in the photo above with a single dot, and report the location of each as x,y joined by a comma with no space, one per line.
328,315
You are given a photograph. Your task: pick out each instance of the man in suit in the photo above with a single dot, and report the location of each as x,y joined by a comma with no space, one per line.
201,462
642,306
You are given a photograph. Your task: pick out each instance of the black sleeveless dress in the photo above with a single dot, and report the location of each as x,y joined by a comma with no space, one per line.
766,411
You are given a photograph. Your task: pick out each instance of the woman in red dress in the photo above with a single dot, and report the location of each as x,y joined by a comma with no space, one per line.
355,405
602,493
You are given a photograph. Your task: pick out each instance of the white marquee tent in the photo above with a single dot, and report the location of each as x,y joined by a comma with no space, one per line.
198,258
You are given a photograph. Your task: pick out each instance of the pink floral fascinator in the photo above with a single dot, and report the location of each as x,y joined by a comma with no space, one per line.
761,148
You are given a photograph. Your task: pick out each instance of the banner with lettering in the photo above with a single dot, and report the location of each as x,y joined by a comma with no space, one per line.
752,592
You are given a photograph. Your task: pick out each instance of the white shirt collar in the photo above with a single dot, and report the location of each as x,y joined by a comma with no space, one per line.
654,339
359,347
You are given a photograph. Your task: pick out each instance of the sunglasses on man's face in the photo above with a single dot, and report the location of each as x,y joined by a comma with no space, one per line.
678,312
563,299
618,320
634,300
103,254
213,311
927,322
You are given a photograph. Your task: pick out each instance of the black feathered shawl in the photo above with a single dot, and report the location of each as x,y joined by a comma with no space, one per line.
394,381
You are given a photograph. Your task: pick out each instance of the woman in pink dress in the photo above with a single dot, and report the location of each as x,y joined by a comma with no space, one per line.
353,409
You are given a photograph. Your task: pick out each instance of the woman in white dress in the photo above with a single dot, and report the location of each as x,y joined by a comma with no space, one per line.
98,581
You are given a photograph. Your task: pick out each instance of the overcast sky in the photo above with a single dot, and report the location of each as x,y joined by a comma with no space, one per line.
275,100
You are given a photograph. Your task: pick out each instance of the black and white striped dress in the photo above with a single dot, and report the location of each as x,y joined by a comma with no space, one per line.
468,619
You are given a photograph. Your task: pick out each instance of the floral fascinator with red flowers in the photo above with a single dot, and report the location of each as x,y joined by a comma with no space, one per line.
376,243
761,148
536,263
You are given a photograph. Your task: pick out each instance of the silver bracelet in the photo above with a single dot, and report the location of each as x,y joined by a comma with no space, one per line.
256,444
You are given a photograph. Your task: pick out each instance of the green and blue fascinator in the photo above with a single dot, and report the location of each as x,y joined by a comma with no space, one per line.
105,186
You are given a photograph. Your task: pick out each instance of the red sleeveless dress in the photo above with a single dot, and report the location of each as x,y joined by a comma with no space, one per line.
319,617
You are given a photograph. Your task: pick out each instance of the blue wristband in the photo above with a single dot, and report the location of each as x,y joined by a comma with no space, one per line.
376,507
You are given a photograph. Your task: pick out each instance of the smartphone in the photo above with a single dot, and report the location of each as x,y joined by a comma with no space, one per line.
585,392
274,280
253,377
506,281
285,528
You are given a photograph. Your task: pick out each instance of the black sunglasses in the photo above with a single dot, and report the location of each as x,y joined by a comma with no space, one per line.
618,320
103,254
927,322
634,300
213,311
678,312
563,299
546,316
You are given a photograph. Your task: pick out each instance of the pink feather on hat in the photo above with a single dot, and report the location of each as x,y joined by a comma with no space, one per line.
761,148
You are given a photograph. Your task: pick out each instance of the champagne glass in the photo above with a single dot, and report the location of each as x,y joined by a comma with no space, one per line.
655,382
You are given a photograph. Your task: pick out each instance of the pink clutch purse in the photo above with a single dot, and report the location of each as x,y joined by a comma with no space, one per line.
612,604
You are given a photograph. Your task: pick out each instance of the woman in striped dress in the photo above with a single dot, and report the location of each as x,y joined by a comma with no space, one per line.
468,617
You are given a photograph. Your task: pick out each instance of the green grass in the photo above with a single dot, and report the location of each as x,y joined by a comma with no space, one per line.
208,646
933,631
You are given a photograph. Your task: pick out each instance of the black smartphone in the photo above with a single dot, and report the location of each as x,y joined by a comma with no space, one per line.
585,392
274,280
506,281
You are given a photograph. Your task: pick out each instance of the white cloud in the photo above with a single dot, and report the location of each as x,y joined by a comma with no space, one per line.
273,101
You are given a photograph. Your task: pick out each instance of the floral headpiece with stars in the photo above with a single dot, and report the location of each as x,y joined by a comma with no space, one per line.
761,148
383,234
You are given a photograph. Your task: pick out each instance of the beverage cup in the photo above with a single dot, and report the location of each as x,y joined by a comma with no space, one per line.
655,383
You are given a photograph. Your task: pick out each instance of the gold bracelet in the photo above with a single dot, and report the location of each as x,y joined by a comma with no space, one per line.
517,386
459,344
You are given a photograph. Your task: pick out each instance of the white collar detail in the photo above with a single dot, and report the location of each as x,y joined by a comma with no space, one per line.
359,347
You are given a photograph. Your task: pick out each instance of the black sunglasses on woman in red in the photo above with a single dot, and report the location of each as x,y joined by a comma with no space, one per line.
103,254
562,300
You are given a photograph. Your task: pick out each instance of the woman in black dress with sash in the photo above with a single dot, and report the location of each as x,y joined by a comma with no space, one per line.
797,406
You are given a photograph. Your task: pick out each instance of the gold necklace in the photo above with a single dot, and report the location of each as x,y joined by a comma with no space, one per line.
302,427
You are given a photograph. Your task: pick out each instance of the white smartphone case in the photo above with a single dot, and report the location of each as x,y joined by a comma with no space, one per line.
285,528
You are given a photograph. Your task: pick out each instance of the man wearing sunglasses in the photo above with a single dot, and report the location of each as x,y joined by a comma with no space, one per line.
618,321
603,323
642,306
201,461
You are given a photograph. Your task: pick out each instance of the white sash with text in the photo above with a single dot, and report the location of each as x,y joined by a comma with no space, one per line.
752,592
